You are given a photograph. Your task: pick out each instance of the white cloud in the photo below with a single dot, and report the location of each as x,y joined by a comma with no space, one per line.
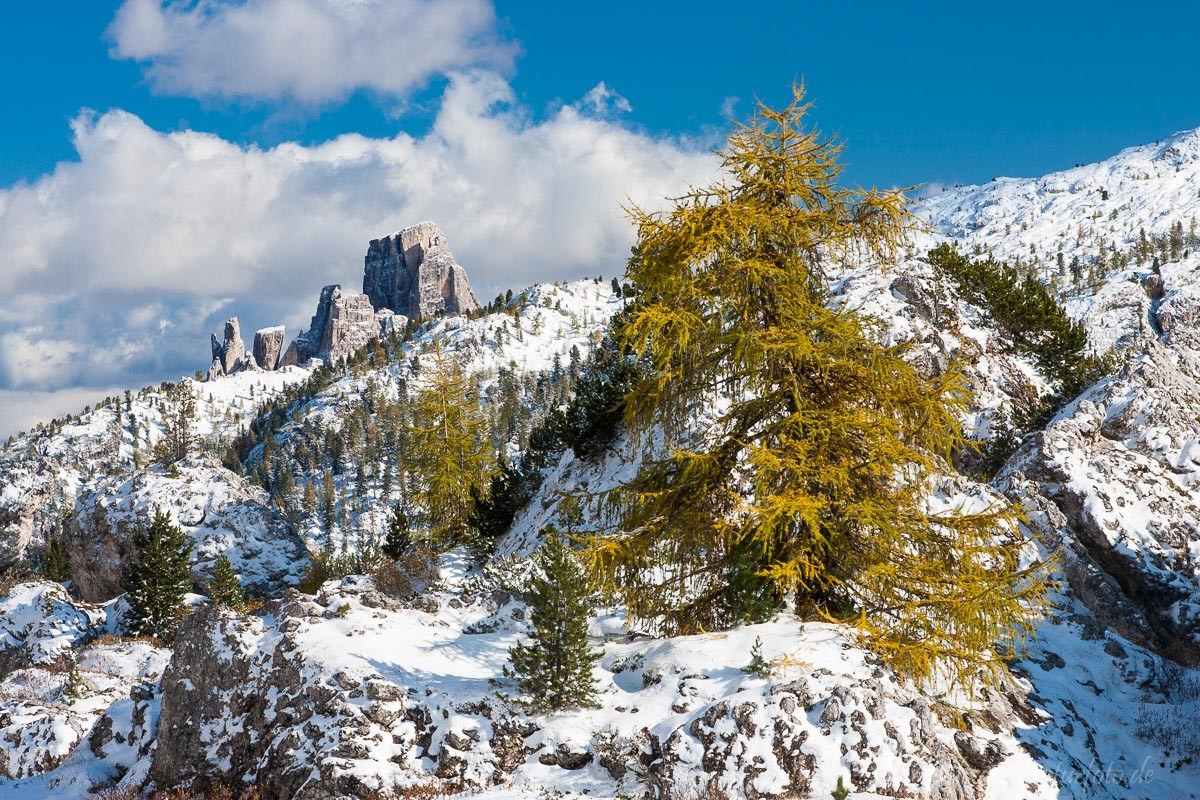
603,101
132,252
313,51
21,410
32,357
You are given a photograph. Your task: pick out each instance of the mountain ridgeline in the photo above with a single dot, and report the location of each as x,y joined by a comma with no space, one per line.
410,276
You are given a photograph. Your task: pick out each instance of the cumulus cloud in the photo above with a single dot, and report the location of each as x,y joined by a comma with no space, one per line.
21,410
313,51
126,257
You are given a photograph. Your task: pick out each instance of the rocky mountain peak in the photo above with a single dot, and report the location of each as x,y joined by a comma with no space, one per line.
414,273
268,346
342,324
229,354
409,275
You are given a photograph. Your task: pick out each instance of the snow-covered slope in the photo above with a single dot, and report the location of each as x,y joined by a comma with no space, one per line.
220,512
45,471
352,691
1078,211
546,328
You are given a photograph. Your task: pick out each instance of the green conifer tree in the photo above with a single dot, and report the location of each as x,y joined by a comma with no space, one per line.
758,666
398,538
554,671
328,507
225,589
178,418
157,582
55,566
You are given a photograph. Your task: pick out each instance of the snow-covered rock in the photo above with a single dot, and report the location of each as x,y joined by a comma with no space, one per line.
217,509
351,692
62,676
39,623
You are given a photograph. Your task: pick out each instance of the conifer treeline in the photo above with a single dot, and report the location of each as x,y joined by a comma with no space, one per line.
1026,311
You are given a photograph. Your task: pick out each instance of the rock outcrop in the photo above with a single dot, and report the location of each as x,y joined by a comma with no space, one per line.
268,346
1114,481
217,509
63,687
22,522
251,698
343,323
230,354
415,274
39,622
411,275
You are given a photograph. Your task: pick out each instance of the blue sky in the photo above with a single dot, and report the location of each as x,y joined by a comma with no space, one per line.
166,165
923,92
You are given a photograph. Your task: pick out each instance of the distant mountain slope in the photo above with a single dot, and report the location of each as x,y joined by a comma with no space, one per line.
1078,211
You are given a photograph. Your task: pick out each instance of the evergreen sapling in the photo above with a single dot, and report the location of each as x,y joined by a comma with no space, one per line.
55,565
225,589
157,582
759,667
554,670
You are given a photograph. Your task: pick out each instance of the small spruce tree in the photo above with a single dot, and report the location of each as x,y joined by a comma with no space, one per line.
225,589
156,583
554,671
55,565
758,666
73,687
398,538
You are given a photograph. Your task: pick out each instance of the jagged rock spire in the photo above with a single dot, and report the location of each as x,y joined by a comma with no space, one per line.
230,354
414,273
410,275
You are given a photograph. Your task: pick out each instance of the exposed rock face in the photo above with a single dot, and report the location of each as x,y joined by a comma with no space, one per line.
351,325
268,346
219,510
390,322
229,355
308,344
19,527
415,274
343,323
242,699
1115,481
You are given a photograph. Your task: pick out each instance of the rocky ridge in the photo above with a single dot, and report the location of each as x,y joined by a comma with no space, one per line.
411,275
